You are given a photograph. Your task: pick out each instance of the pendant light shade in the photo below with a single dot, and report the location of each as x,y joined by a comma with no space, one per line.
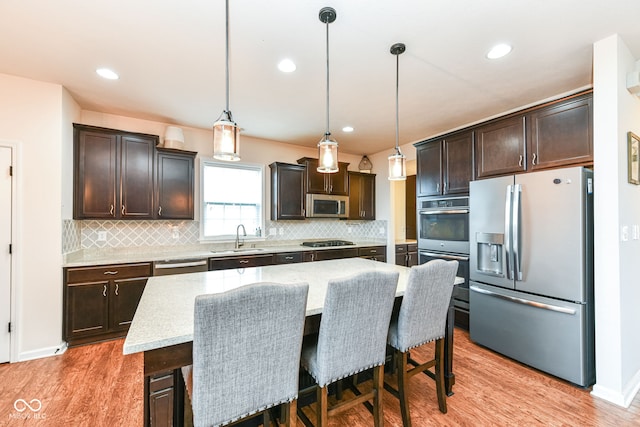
226,132
397,161
327,147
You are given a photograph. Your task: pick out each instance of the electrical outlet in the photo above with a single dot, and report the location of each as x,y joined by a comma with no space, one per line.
636,231
272,231
624,233
349,230
175,233
281,231
102,236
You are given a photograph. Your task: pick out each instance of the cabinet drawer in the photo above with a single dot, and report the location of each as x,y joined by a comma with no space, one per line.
412,247
372,250
401,249
107,272
240,262
161,381
288,258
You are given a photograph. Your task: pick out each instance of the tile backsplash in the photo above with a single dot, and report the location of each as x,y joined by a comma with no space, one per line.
95,234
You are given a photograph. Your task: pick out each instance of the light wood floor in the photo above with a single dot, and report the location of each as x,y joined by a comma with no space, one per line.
96,385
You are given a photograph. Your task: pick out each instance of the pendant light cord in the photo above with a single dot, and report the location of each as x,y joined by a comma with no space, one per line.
327,133
397,90
227,54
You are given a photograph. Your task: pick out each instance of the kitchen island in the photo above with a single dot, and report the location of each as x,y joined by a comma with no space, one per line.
162,327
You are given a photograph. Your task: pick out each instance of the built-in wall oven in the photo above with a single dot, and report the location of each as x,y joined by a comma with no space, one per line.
443,233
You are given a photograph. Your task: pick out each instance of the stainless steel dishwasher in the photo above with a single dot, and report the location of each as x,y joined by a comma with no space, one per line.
179,266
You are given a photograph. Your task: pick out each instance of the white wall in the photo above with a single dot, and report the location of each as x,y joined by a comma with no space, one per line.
31,113
617,204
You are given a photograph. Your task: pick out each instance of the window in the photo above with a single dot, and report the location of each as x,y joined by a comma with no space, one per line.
232,194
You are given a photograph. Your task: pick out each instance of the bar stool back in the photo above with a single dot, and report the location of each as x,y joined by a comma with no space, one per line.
246,353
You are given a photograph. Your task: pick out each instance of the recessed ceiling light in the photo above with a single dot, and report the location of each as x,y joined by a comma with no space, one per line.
498,51
286,66
347,129
107,74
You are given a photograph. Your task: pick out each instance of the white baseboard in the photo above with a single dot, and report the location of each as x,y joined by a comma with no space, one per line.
43,352
621,398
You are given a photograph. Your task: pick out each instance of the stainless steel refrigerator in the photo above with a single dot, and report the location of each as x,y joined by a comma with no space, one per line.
531,270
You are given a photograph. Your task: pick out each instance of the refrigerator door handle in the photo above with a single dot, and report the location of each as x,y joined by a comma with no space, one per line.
523,301
517,255
508,231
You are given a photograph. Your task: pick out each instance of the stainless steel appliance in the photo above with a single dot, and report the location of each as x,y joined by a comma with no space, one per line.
443,224
327,206
163,268
443,233
531,288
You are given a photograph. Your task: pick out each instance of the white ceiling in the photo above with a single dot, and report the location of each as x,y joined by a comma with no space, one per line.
170,57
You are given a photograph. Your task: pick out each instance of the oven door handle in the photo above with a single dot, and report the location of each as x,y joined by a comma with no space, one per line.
453,257
443,212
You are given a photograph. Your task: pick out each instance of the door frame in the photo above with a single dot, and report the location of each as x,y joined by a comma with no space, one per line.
16,241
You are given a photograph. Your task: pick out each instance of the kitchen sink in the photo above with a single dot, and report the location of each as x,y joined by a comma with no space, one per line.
239,250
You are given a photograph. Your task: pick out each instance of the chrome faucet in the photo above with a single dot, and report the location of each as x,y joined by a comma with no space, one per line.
244,233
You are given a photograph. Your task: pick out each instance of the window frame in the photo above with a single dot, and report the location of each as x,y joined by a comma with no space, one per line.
205,162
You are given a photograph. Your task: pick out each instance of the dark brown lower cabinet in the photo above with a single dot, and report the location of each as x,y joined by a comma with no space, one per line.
407,254
376,253
224,263
164,393
100,301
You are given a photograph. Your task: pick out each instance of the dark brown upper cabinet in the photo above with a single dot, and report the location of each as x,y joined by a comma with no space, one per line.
561,134
445,165
362,196
325,183
113,174
287,191
501,147
552,135
174,184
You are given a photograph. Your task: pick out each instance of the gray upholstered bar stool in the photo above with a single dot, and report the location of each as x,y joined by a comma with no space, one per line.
246,353
422,318
352,338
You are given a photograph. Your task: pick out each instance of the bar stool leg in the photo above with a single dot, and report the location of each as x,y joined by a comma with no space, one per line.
439,373
323,407
403,384
378,386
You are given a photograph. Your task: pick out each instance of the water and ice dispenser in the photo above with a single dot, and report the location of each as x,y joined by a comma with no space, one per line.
490,253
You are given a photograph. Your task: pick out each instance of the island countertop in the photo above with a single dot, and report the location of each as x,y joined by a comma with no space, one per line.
165,313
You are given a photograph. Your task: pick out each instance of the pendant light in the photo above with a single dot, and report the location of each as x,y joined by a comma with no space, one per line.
397,161
327,147
226,132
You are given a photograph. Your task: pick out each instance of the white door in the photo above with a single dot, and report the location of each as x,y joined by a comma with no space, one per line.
5,255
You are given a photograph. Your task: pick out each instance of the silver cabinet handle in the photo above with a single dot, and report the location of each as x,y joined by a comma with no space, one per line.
104,290
520,160
444,187
288,257
244,261
533,162
111,210
117,289
110,272
122,210
159,210
437,187
517,300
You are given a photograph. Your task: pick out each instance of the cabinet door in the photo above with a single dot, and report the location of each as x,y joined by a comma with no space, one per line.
87,309
339,181
95,174
355,188
561,134
457,163
174,184
429,172
287,191
368,196
500,147
136,177
123,301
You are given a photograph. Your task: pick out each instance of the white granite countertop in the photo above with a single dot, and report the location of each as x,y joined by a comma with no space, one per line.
90,257
165,314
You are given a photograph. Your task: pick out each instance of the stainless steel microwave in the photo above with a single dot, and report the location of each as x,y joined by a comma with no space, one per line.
327,206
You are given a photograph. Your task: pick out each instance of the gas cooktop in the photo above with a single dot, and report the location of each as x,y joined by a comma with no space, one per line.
325,243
